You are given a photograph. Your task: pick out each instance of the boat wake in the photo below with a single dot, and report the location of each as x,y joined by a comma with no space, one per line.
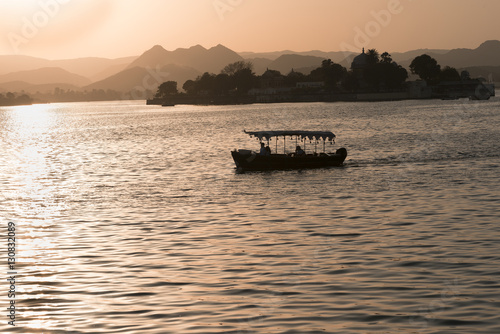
403,160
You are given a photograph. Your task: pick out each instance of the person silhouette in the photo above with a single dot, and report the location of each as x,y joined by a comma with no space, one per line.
263,150
299,151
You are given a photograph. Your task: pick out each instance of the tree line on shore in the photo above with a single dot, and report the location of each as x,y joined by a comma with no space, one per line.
69,95
430,71
14,99
380,73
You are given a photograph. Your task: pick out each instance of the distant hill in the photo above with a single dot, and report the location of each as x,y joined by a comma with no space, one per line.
336,56
339,57
487,54
286,63
46,75
123,74
92,66
264,55
9,64
109,71
132,78
28,88
410,55
123,81
87,67
211,60
343,58
14,86
487,72
402,58
259,64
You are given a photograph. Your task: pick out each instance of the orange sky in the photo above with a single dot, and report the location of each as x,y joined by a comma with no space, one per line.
58,29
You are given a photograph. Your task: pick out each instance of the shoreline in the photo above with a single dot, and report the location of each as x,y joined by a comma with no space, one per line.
417,90
15,104
359,97
283,98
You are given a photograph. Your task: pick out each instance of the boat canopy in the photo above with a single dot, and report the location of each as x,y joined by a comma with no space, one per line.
325,135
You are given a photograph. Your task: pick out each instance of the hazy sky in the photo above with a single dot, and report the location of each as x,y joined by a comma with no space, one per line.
58,29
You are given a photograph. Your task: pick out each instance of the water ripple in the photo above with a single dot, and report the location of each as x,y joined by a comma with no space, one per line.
134,220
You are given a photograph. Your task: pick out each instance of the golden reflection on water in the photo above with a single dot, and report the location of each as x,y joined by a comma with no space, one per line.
33,120
30,136
30,195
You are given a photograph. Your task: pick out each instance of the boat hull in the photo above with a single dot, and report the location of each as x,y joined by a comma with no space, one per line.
248,160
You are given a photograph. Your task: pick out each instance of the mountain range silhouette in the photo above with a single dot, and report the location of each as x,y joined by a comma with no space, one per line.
31,74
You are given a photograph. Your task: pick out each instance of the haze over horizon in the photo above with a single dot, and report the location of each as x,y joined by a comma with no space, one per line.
62,29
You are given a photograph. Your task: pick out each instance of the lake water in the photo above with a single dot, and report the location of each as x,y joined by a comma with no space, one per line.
132,219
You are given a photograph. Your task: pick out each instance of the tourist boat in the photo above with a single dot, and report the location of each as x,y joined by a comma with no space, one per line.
251,160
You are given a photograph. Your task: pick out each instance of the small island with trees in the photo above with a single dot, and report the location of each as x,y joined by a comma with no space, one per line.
372,77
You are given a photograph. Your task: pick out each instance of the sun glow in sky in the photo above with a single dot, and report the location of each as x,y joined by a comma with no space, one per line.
58,29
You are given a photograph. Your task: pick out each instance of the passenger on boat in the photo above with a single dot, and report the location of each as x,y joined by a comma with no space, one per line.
268,150
263,150
299,152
